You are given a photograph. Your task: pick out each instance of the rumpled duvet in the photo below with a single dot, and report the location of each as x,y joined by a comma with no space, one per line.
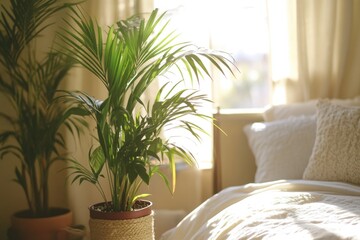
291,209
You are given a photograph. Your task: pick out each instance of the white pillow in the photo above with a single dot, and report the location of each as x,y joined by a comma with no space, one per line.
283,111
307,108
281,148
336,153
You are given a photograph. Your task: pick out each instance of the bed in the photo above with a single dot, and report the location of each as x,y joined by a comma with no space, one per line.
298,178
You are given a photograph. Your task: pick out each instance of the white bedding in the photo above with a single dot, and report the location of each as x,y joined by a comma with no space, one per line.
292,209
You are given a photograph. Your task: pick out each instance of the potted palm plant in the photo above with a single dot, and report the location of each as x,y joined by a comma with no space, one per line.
131,55
29,81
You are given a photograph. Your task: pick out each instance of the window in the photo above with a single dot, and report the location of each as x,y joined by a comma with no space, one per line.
238,27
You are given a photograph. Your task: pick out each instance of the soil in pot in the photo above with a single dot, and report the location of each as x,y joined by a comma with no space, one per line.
104,211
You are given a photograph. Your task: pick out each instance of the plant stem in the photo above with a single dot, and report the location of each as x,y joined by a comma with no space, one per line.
45,189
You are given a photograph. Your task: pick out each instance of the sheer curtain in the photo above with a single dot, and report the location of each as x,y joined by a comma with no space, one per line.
106,12
314,49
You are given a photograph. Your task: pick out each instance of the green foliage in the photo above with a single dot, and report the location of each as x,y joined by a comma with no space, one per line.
29,84
127,58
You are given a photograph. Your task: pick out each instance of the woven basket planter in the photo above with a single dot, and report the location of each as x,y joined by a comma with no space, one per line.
132,225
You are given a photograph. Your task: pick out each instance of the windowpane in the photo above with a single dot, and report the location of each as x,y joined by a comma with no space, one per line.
238,27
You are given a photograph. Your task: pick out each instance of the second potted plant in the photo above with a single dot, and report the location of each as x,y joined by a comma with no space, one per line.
127,60
34,118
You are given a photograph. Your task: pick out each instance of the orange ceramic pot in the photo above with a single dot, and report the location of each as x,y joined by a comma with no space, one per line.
46,228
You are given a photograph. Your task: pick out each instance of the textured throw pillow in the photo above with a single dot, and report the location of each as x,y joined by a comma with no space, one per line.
281,148
336,152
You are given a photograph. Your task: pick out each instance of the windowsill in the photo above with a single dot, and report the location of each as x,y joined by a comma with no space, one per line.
239,111
181,166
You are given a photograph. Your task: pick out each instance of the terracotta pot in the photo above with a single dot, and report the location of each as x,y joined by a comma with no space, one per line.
132,225
46,228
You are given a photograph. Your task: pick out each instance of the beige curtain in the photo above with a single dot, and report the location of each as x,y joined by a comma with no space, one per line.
314,49
106,12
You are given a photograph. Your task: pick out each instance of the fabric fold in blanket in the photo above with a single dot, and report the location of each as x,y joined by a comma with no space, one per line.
284,209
